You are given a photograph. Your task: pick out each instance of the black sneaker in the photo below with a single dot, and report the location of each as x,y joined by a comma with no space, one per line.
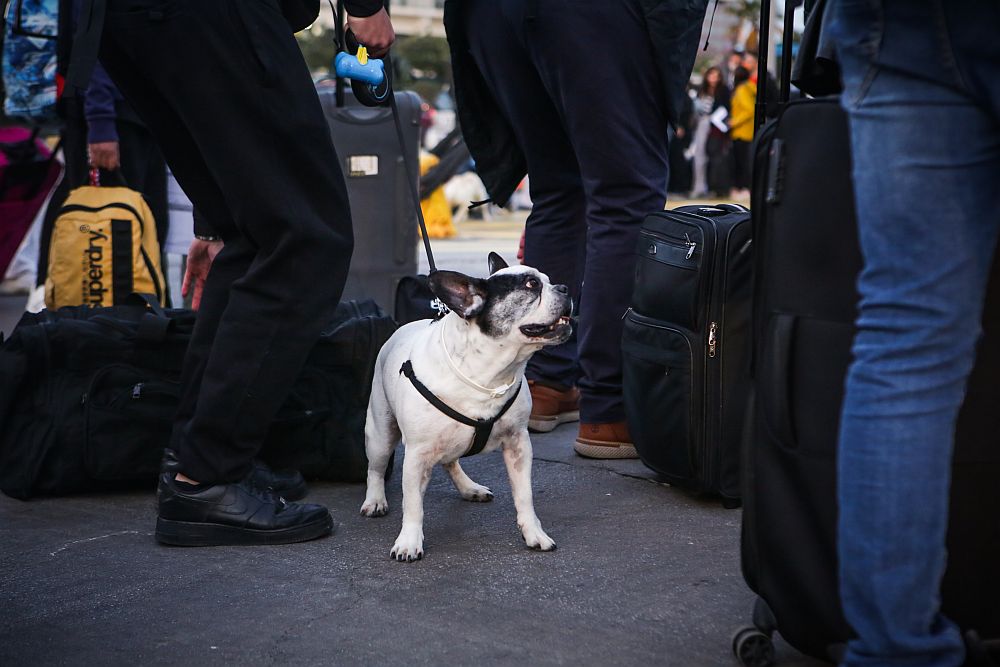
241,513
289,484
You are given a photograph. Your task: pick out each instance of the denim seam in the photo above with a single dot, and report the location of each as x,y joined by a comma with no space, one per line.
873,49
948,51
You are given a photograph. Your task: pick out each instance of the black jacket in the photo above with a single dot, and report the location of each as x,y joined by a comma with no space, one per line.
674,29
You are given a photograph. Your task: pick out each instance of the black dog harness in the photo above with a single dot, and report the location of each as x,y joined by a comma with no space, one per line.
484,427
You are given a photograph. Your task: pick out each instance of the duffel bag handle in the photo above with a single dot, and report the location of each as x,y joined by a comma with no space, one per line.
153,326
143,300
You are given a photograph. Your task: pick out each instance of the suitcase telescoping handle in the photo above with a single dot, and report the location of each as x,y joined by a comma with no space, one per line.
763,40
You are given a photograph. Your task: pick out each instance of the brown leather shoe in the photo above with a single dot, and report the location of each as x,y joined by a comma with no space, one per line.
605,441
551,407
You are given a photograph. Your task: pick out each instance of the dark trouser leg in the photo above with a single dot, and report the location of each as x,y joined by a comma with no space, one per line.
610,99
594,65
556,228
145,171
248,142
74,148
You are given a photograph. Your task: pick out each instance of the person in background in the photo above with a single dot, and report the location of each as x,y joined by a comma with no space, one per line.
920,90
741,131
710,146
579,95
101,131
750,63
733,62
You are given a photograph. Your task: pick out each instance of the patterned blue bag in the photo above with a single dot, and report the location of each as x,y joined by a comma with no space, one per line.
29,59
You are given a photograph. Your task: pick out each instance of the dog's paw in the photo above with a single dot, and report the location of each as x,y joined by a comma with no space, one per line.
375,507
536,539
409,547
477,493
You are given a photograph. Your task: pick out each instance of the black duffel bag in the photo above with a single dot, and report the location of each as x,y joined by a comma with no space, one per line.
320,431
416,301
87,397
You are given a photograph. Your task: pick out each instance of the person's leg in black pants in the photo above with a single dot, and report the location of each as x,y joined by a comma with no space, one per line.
578,84
237,117
73,143
144,170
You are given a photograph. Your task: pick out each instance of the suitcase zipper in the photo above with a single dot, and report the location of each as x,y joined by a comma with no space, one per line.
712,339
674,241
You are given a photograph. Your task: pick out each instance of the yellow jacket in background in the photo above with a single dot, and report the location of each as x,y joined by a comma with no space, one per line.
741,119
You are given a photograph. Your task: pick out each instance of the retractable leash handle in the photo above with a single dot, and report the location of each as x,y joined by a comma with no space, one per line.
360,67
371,79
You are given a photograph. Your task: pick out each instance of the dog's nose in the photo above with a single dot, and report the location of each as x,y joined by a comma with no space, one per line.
562,289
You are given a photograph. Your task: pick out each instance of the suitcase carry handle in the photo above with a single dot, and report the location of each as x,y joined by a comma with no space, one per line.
774,375
763,38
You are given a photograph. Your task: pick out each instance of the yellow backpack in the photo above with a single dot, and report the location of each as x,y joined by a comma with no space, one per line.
103,248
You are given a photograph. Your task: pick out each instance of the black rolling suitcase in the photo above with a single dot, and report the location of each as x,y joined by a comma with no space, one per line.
806,264
685,346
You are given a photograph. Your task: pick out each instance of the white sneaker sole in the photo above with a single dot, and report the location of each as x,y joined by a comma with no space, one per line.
609,451
546,424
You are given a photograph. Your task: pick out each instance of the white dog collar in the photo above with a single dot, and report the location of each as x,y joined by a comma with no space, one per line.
496,392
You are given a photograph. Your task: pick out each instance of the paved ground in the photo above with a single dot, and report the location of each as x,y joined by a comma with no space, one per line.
644,573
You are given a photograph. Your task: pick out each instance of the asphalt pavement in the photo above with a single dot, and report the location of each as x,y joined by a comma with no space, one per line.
644,574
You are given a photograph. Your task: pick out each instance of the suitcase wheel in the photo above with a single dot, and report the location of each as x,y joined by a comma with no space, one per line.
753,648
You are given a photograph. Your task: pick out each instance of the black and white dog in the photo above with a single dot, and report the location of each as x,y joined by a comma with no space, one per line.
456,386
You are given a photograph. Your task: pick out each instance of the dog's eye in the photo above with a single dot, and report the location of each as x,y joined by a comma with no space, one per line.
532,283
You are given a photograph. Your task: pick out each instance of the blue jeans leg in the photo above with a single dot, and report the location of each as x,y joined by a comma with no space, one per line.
926,157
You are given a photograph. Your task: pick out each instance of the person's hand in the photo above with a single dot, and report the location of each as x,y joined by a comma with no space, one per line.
374,32
104,155
201,254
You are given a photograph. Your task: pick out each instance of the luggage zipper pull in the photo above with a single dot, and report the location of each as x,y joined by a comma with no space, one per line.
691,246
712,342
137,390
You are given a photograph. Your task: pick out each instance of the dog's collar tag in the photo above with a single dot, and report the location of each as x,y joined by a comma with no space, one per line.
495,392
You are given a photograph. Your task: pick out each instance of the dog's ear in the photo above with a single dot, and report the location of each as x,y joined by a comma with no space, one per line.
462,294
496,263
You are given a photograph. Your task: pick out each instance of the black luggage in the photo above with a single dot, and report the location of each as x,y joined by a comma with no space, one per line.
320,431
685,345
806,264
87,397
385,224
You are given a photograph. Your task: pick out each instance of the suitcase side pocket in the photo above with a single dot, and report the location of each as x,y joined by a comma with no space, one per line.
659,392
669,276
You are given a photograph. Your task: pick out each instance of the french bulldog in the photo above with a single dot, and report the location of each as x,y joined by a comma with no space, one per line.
472,362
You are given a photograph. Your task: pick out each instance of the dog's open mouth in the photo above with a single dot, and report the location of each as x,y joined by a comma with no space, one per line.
557,329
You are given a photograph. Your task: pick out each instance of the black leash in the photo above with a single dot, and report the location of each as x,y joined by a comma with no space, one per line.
411,179
483,427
